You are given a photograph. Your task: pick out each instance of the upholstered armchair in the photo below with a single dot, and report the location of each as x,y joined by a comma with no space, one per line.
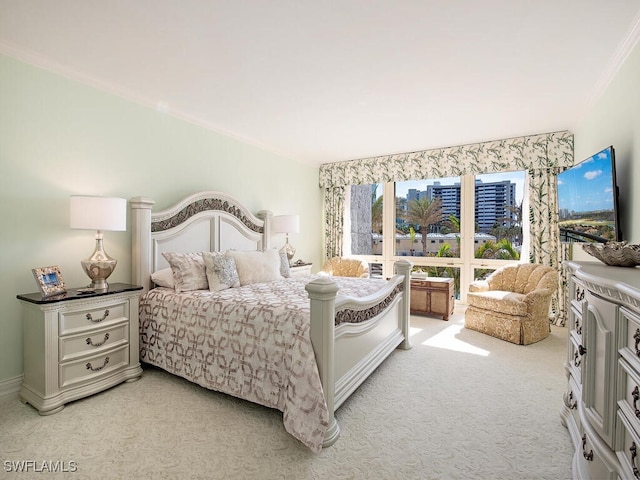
346,267
513,303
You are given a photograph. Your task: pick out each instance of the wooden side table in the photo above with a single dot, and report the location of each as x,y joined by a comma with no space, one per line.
432,296
77,344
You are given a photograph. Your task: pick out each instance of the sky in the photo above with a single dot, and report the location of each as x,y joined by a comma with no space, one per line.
587,186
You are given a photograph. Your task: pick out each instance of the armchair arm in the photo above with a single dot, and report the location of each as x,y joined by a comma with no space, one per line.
538,301
479,286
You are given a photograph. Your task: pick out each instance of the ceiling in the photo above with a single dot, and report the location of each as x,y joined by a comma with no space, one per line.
327,80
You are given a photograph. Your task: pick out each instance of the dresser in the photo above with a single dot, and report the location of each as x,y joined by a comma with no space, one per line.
601,408
432,296
77,344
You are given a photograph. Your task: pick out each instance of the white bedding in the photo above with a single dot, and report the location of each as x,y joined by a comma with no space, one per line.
252,342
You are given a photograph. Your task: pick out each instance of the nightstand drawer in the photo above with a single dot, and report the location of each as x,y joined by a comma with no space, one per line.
91,318
91,368
93,342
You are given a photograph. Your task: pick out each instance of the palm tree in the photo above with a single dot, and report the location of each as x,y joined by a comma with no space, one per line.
502,250
451,224
376,214
423,213
514,229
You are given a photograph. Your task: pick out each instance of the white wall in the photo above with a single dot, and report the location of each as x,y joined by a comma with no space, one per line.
615,120
59,137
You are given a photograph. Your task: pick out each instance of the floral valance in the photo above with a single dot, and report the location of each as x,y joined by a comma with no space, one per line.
547,150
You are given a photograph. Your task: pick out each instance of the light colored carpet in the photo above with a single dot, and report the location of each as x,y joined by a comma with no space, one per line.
459,405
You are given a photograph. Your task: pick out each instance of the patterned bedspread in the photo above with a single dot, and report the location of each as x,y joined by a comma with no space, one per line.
252,342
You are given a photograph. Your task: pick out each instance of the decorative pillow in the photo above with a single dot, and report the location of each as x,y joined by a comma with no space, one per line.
285,268
256,266
163,278
188,271
221,271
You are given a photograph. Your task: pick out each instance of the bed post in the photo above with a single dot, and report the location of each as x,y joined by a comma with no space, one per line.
141,241
322,292
265,216
403,267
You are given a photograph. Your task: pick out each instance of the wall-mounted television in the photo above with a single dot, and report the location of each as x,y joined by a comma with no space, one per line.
588,200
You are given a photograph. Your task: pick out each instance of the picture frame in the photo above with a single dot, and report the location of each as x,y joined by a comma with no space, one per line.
49,280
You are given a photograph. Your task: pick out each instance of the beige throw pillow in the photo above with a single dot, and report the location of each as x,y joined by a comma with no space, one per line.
256,266
188,271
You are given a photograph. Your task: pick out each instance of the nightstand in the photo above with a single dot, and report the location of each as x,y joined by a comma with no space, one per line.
77,344
300,269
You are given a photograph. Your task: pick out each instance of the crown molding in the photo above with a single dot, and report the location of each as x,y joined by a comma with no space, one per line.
617,60
42,62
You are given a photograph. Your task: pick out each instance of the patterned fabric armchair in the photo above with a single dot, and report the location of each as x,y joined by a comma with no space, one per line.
513,303
346,267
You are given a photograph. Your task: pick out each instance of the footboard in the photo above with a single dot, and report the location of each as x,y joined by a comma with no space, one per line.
351,337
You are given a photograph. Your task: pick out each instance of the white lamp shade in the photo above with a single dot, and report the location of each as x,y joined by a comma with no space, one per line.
98,213
286,224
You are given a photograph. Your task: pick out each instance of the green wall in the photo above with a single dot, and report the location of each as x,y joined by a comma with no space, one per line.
614,120
59,137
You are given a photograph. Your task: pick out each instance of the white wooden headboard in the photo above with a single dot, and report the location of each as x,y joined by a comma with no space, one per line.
205,221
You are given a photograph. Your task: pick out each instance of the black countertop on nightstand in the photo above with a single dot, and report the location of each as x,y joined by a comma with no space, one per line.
78,294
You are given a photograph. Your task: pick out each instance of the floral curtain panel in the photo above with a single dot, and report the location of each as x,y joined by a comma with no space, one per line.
541,155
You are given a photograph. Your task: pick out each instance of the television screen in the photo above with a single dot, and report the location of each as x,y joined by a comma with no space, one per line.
588,200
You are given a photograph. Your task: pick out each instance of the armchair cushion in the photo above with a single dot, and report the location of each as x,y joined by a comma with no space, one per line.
499,301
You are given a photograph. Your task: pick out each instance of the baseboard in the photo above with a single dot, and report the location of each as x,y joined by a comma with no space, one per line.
11,386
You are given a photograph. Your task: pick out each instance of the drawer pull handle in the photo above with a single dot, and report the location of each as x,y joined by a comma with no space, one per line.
582,350
572,403
636,336
578,327
97,369
587,455
576,359
634,454
91,319
636,396
90,342
579,294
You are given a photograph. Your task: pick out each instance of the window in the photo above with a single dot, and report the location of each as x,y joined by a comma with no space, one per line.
458,227
428,218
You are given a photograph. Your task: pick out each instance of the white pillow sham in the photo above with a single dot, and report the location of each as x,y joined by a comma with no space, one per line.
163,278
256,266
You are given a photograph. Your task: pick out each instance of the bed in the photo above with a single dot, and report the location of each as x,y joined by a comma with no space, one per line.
301,344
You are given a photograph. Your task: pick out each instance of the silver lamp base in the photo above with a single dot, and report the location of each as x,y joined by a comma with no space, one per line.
288,250
99,266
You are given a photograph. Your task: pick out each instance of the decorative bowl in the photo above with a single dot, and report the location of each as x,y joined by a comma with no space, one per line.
616,254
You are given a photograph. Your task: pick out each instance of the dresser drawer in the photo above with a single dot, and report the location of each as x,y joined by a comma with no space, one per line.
93,341
595,460
571,399
629,394
575,359
577,294
630,337
629,449
90,369
72,321
575,322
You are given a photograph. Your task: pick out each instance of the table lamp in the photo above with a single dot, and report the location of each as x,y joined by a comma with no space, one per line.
286,224
98,213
